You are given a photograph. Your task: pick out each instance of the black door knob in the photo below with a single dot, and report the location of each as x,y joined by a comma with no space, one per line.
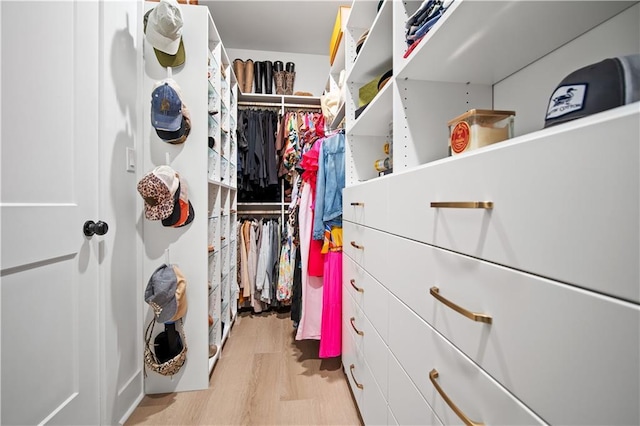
90,228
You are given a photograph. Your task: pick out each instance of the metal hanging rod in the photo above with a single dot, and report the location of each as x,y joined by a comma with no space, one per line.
275,104
261,104
259,212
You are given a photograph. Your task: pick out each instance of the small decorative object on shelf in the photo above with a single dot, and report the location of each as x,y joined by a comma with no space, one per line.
382,165
479,127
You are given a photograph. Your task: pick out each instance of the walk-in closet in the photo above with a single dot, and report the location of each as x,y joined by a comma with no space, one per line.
358,212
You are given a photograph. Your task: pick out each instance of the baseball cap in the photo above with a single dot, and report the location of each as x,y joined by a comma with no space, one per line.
163,30
173,218
598,87
166,293
166,108
180,135
186,208
183,212
158,189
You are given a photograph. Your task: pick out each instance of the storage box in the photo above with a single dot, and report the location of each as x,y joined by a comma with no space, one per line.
479,127
338,29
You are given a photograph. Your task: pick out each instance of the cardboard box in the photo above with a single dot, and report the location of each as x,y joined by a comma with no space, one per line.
338,30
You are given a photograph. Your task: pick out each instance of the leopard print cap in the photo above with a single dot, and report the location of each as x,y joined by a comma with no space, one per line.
158,198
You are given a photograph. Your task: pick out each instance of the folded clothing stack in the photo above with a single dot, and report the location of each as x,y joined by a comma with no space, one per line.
424,19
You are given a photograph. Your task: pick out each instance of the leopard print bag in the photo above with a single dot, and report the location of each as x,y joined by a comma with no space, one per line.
170,367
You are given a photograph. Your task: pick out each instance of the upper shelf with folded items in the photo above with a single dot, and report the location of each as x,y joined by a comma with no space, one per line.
483,42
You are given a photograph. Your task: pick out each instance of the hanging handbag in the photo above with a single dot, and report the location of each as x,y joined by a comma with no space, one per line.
172,365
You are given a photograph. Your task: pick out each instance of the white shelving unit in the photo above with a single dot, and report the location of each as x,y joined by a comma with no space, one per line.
211,191
222,199
459,65
333,81
367,134
543,245
456,68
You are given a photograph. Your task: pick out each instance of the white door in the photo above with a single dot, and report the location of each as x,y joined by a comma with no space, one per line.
49,180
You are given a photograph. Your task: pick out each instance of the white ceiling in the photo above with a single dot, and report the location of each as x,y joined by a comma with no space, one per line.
297,26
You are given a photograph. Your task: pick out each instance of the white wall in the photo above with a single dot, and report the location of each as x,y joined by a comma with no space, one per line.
535,83
311,70
120,128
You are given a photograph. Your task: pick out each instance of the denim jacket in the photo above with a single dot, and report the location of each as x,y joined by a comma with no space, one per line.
328,201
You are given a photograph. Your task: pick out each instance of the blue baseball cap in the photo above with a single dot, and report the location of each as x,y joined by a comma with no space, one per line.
166,108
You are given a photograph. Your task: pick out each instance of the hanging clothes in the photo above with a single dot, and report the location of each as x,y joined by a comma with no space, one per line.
245,243
293,236
311,315
296,297
331,328
286,268
258,262
310,165
252,263
257,155
263,285
331,172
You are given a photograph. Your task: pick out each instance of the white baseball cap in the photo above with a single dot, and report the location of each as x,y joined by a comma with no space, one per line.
163,30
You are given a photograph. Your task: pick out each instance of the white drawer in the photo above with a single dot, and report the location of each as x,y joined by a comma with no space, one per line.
420,349
371,403
567,209
406,404
351,315
367,340
391,420
366,203
374,407
351,356
547,340
362,244
367,293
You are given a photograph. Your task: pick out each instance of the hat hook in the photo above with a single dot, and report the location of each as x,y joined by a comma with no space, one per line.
167,158
169,72
166,257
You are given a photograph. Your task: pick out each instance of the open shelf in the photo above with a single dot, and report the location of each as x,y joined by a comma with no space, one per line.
511,37
375,119
375,57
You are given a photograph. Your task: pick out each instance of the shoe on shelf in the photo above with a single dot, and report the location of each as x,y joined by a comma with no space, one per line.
258,72
213,349
238,69
268,77
248,76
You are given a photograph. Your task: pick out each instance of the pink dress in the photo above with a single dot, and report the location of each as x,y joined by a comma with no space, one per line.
331,329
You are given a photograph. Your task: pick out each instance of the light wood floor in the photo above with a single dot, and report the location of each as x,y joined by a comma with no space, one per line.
264,377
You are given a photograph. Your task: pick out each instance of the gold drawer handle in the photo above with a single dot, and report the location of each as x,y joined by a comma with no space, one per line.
351,368
435,292
352,320
433,375
358,204
462,204
353,284
353,243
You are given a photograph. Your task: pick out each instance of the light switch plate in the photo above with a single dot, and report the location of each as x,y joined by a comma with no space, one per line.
131,160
